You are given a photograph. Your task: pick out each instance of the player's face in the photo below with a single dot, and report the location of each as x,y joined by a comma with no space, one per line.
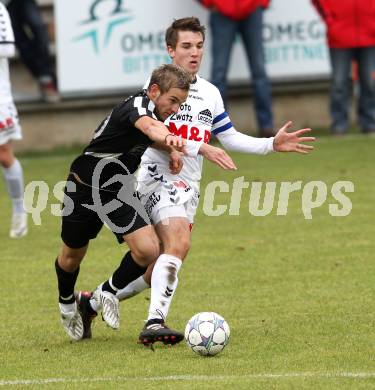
188,51
169,102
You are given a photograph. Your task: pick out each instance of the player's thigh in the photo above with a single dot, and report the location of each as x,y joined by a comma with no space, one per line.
10,126
133,226
70,258
6,155
80,224
174,233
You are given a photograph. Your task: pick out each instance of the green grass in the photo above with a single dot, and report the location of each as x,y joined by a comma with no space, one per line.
298,294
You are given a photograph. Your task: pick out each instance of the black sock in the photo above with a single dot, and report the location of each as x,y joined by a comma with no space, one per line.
128,271
66,282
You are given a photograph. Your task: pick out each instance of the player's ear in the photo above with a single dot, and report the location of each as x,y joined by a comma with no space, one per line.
170,51
154,91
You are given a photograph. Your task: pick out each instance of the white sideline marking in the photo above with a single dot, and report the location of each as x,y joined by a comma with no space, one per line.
360,375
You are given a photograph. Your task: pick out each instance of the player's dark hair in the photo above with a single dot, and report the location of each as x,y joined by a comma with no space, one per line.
185,24
170,76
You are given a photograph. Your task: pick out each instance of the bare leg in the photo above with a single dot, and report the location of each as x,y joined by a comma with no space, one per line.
144,249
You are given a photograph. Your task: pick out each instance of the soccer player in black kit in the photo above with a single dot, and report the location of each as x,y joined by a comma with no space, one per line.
101,175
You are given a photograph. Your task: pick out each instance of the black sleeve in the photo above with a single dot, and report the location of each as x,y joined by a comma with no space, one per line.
137,107
135,114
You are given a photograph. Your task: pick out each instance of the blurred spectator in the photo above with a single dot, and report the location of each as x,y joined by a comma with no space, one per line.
351,36
227,18
10,130
32,43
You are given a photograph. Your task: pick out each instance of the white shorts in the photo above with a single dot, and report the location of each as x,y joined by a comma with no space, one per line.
9,123
165,196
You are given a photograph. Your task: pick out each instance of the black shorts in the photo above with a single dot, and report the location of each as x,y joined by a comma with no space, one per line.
81,224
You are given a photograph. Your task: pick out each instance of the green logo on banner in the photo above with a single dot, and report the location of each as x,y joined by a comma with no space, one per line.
99,32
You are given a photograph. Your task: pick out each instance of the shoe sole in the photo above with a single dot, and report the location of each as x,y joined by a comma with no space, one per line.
166,340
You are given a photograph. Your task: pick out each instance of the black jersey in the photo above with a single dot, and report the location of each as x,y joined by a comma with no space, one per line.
116,137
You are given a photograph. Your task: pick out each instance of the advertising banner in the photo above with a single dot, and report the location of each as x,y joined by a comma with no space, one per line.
105,45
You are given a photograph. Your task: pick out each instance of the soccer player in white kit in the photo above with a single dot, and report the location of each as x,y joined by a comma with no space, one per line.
10,130
171,200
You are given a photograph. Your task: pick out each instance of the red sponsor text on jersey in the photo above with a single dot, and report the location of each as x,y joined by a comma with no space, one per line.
180,184
6,124
190,133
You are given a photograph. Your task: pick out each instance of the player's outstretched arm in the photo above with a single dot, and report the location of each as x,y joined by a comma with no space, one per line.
291,142
217,156
159,133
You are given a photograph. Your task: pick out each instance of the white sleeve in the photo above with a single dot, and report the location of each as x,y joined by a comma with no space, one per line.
235,141
7,47
192,148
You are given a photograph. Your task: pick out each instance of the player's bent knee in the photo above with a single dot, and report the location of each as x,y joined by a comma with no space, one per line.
179,248
185,247
70,263
70,259
146,253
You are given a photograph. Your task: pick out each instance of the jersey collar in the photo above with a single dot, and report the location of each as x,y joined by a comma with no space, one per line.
151,106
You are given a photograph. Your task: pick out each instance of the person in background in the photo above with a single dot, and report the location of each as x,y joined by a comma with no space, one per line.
32,43
245,17
350,36
9,130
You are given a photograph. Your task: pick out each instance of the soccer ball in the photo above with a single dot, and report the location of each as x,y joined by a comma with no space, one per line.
207,333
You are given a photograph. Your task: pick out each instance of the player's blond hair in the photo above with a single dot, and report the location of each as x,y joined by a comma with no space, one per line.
170,76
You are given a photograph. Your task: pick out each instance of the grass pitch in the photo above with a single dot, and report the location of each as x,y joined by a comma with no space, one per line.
297,293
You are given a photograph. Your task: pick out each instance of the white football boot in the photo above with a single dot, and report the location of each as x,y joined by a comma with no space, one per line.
109,304
72,321
19,225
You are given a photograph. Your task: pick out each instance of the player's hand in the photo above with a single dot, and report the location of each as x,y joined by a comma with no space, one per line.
175,162
176,142
217,156
291,142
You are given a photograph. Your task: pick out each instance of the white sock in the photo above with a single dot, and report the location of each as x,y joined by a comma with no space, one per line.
14,182
66,308
164,282
95,305
133,288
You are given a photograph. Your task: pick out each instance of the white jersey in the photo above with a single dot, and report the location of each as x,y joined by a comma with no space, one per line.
165,195
202,115
7,49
